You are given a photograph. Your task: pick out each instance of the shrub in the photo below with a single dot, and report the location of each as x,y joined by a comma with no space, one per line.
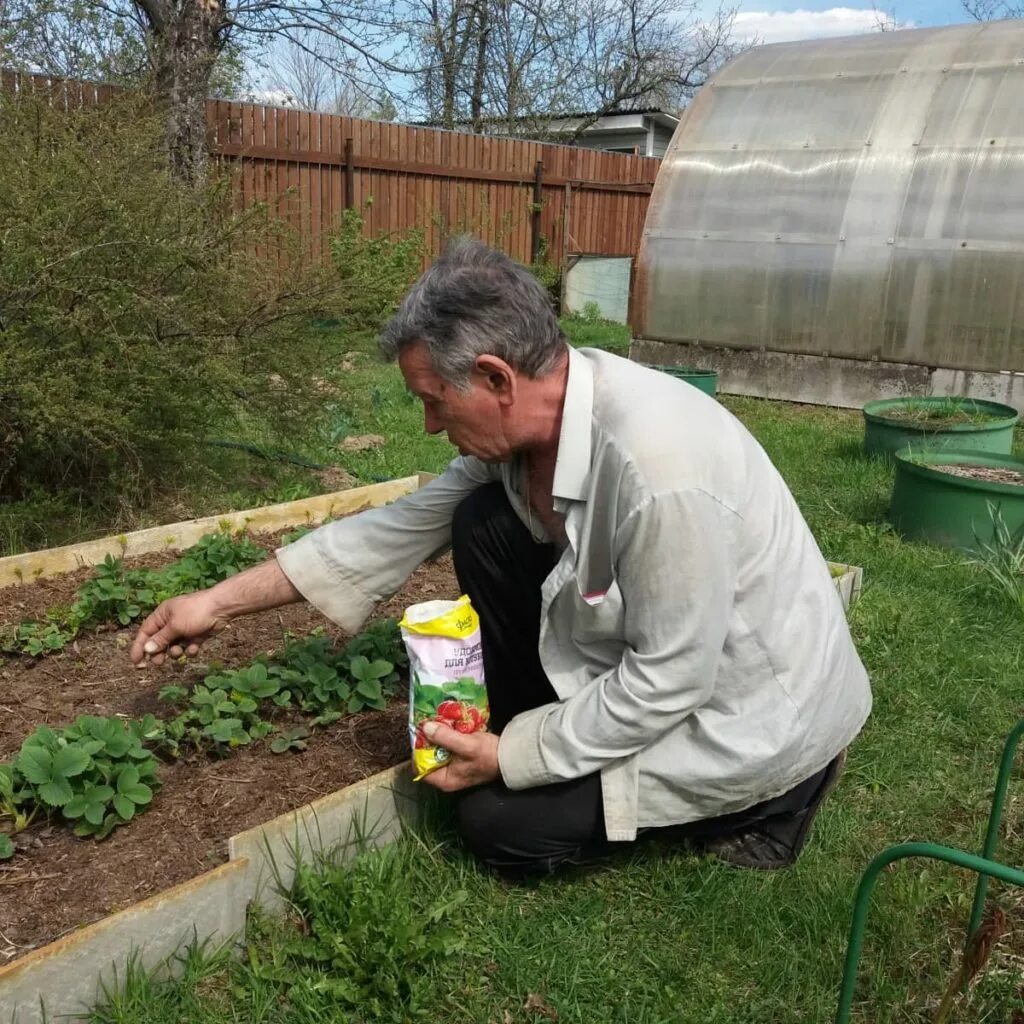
137,316
374,272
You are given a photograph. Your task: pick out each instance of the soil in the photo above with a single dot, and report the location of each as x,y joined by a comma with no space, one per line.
58,882
988,474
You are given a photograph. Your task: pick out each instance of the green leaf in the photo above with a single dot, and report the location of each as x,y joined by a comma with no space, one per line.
124,806
70,761
140,793
322,675
280,745
35,763
128,777
359,666
380,668
95,811
56,793
369,688
6,846
326,718
76,807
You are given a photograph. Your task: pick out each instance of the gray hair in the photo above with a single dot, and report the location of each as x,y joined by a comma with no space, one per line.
475,301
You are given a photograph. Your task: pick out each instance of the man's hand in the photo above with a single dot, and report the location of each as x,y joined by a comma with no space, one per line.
474,758
177,627
181,624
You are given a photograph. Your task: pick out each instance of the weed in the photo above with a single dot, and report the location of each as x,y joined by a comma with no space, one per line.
1002,559
940,413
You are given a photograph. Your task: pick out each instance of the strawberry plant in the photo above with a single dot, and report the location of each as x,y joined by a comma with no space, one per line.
117,594
370,679
96,773
290,739
222,712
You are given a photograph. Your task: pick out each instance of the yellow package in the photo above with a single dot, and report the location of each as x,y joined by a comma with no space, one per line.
446,675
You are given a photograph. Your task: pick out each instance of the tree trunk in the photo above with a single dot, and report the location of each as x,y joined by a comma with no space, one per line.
187,44
479,72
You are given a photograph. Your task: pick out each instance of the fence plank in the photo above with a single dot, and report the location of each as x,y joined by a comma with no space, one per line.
440,181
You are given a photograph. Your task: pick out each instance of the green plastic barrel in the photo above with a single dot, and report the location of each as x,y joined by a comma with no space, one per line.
886,433
953,511
703,380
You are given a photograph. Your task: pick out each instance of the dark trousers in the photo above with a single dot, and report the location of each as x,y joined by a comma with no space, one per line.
536,831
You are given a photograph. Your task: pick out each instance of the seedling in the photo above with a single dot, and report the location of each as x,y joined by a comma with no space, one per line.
291,739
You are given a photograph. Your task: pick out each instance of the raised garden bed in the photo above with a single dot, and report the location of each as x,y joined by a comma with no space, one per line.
933,423
56,882
957,499
220,827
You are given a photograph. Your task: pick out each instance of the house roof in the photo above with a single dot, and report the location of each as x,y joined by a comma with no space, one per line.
662,117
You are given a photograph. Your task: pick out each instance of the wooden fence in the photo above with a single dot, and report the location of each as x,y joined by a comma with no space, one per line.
529,199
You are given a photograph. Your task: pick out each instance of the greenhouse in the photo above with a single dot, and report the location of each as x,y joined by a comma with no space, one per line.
840,220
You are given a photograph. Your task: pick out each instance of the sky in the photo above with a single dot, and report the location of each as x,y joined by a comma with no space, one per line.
776,22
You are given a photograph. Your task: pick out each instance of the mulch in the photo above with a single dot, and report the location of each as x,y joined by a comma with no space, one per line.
988,474
58,882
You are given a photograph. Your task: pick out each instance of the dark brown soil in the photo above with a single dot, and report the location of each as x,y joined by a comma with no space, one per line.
989,474
57,882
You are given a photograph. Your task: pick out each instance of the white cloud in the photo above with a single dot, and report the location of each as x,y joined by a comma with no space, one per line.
787,26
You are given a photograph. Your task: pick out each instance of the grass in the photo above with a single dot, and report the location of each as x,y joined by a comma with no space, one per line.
940,412
663,936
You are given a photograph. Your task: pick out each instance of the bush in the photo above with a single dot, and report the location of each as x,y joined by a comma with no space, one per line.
375,272
137,316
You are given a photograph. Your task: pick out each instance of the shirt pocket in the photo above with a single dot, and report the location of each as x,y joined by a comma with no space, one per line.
598,616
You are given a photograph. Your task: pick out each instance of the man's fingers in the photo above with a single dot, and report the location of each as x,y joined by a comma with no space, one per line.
175,651
445,780
447,737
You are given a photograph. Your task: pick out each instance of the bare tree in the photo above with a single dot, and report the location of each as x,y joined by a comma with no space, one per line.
184,41
993,10
70,39
515,66
319,75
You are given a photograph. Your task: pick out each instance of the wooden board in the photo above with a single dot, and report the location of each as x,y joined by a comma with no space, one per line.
53,561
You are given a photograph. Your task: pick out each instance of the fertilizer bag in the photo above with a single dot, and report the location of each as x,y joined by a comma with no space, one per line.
446,675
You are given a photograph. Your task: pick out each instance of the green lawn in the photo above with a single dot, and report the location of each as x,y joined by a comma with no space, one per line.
663,936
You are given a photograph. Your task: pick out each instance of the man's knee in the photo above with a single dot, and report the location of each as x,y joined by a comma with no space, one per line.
518,837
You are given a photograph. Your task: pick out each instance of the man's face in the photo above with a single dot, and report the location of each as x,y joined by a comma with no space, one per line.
475,420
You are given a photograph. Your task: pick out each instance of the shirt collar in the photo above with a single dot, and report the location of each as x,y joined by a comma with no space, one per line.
572,464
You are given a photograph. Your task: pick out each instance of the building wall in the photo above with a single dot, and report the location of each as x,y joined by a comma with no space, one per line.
625,141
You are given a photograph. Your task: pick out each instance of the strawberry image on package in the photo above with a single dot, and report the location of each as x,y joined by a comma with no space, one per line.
446,675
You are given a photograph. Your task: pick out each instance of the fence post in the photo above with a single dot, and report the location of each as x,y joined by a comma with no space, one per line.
538,181
563,263
350,190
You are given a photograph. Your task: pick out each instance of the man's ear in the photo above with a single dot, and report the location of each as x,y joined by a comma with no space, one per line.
498,377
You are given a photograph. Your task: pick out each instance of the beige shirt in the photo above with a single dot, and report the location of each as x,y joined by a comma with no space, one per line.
691,627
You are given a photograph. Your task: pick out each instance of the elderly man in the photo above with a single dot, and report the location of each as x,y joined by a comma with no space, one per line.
664,649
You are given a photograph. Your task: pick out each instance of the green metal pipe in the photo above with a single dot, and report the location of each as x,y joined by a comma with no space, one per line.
994,822
862,904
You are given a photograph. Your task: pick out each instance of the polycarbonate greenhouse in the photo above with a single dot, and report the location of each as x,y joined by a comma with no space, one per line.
860,198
